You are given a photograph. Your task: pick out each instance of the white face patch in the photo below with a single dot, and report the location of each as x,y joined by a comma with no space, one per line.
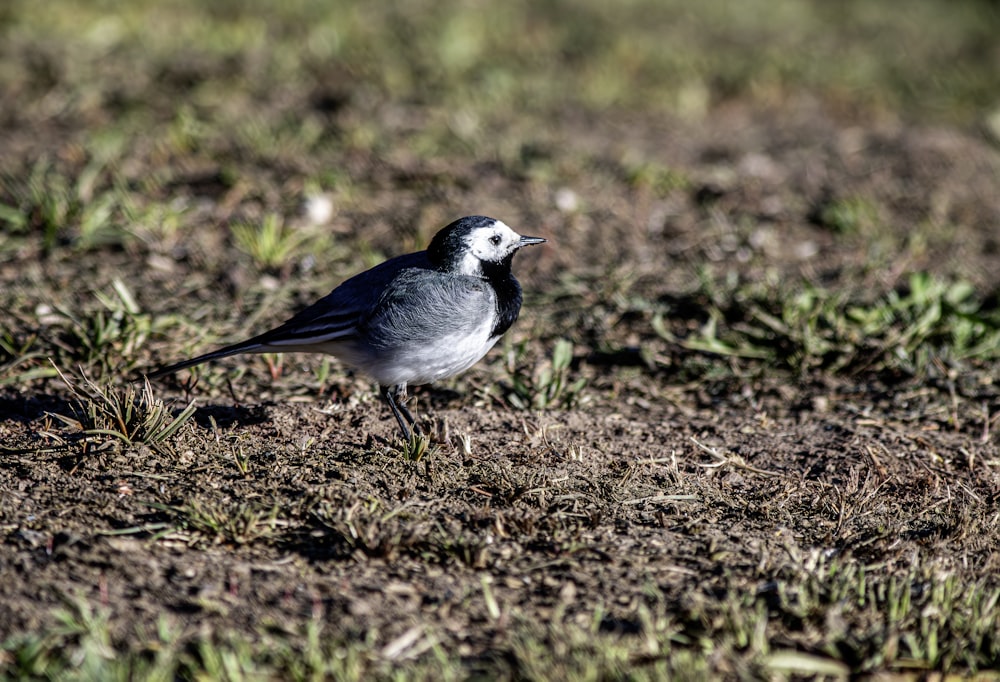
491,244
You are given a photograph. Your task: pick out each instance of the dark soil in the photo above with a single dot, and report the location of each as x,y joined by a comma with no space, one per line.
675,480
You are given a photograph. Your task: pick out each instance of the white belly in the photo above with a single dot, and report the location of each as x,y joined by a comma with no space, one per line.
421,363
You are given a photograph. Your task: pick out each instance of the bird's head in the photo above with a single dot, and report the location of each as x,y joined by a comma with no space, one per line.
476,245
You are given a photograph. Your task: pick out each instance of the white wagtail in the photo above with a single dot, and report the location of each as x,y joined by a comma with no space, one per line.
413,319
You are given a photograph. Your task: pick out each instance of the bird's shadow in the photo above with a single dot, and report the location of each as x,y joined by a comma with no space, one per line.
224,416
436,396
26,409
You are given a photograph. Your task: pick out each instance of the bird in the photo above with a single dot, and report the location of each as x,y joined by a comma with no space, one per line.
411,320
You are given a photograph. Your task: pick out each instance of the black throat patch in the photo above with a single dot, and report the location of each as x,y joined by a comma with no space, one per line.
508,292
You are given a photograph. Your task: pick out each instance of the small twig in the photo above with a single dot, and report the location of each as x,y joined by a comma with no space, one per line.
659,498
732,460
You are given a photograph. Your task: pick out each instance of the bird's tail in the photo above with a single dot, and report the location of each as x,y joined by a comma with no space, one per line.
235,349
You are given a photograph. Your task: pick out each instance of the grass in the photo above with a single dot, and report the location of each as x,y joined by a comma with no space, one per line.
921,619
850,216
548,384
417,447
929,323
63,212
118,329
271,244
130,416
235,523
365,526
107,339
478,67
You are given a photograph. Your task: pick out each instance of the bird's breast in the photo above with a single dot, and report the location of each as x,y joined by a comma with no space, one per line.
424,363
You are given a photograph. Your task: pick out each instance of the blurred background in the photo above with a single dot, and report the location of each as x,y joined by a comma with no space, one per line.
303,85
925,59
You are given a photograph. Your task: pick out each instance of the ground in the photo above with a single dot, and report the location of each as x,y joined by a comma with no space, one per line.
744,428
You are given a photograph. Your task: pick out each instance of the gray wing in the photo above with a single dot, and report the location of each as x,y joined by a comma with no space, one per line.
422,306
335,316
338,314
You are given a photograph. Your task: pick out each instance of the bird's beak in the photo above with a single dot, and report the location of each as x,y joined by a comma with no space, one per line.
528,241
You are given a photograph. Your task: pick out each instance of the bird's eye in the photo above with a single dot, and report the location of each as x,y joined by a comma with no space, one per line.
495,240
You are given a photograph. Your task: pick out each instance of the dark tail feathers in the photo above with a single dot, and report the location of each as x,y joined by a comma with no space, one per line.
226,352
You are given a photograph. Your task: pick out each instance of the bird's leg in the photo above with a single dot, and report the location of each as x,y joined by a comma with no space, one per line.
396,397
